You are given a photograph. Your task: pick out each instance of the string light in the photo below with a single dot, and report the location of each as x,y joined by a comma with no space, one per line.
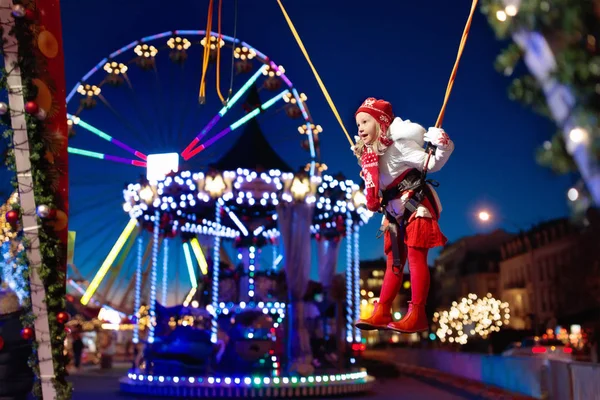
251,271
235,189
165,271
349,282
215,277
357,332
153,276
470,317
138,287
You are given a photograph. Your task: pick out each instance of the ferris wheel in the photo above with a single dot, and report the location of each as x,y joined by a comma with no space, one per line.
137,114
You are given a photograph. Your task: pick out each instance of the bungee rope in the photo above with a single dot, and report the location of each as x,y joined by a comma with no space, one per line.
202,93
440,118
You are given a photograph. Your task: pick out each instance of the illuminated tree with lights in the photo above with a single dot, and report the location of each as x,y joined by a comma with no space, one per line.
471,317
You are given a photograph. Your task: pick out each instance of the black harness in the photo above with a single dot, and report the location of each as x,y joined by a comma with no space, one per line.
416,181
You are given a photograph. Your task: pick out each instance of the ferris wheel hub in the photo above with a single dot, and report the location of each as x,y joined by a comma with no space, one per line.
160,165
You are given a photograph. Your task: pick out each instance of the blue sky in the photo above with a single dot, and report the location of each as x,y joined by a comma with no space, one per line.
400,51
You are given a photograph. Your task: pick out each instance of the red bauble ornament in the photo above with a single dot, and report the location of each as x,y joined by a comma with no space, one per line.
31,107
29,15
12,217
62,317
1,343
27,333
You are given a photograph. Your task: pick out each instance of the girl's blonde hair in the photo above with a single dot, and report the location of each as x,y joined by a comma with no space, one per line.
378,147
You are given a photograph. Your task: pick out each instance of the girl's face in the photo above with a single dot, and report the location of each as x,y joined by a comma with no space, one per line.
367,127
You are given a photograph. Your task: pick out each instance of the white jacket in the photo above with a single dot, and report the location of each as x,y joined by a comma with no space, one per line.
407,152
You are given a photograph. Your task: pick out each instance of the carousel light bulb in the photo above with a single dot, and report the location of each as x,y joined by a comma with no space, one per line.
501,15
573,194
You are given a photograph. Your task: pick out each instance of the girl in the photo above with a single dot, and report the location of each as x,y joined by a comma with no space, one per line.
392,158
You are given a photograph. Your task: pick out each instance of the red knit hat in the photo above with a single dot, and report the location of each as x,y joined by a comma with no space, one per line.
381,110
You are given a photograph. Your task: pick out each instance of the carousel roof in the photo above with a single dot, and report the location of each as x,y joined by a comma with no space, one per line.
252,150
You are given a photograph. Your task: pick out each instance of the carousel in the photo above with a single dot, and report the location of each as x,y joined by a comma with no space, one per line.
246,223
249,334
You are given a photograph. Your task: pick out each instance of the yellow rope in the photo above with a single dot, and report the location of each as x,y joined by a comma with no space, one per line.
461,47
323,88
326,94
202,94
219,54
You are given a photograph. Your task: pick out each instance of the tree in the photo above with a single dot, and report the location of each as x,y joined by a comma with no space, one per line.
558,41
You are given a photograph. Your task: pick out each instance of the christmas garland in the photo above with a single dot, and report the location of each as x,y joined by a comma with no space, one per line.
571,28
43,145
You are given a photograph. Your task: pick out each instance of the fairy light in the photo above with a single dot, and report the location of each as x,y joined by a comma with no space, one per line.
357,332
573,194
470,317
251,271
165,271
153,276
349,282
215,277
511,10
138,288
275,256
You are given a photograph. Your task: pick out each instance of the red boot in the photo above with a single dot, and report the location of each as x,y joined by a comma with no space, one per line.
415,319
381,317
382,314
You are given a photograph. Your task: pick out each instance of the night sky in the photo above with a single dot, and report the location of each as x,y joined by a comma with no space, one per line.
397,50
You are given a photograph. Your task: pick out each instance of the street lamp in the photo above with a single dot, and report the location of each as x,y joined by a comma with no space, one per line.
484,216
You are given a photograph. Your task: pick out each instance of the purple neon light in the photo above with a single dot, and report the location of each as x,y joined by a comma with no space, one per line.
127,148
157,36
124,160
282,76
258,53
124,49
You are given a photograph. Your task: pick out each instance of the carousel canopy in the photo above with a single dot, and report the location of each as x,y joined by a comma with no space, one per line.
252,151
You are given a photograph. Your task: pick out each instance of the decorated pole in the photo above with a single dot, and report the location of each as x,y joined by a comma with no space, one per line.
34,80
27,204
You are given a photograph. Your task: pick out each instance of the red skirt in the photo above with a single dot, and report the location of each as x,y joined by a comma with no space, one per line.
424,232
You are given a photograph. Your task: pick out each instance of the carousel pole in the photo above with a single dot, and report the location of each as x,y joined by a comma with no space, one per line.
153,276
349,282
357,333
138,285
165,272
215,278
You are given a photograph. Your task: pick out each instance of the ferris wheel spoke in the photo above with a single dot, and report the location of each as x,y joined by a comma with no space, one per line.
158,110
79,122
223,111
122,120
143,116
112,255
101,156
234,126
